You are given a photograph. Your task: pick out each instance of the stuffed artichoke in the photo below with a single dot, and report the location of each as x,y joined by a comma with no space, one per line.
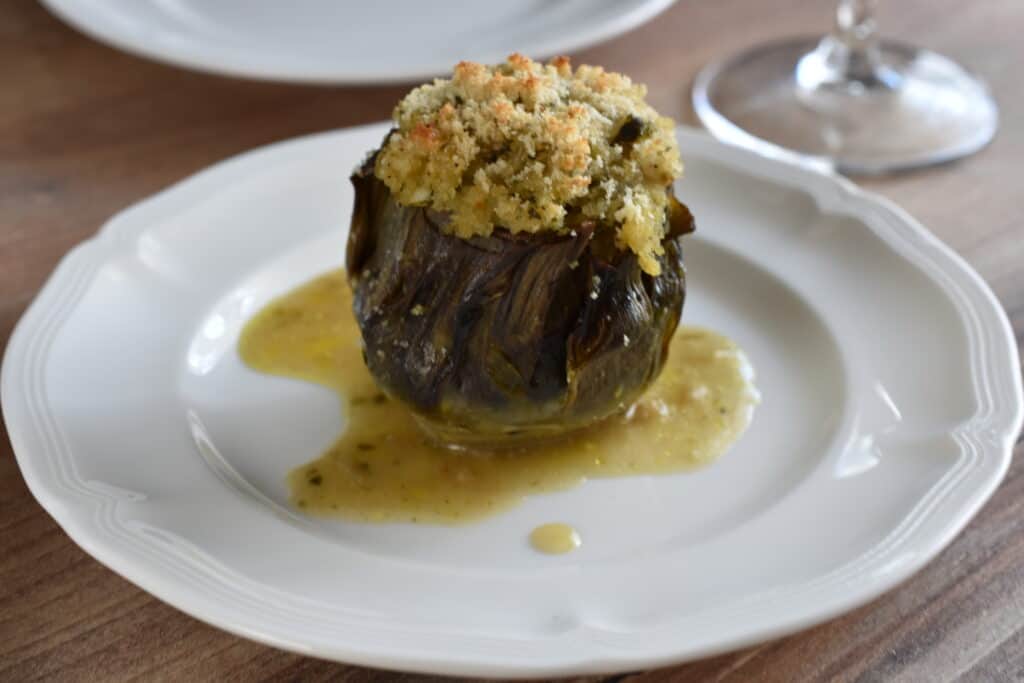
515,251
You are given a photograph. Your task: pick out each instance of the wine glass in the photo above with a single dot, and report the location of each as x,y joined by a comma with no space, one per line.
848,101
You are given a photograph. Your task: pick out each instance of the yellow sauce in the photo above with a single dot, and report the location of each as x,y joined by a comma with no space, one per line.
382,469
555,538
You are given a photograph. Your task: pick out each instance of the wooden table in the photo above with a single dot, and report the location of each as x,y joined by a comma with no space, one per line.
86,130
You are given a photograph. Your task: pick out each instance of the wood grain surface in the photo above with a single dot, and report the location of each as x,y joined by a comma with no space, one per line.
86,130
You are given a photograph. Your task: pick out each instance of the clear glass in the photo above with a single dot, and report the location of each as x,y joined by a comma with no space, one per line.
848,101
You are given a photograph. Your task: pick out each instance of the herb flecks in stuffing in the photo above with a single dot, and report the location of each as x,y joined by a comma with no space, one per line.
536,147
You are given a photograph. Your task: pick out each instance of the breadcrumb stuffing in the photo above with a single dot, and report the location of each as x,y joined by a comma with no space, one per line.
533,147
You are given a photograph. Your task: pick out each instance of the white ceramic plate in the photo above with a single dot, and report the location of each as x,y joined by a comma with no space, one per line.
326,41
891,399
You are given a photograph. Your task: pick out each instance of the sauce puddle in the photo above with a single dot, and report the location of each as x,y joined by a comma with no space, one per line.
382,469
555,538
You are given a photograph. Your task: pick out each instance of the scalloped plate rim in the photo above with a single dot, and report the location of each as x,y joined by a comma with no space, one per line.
62,503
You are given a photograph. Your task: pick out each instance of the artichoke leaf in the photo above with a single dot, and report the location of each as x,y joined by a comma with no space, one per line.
494,339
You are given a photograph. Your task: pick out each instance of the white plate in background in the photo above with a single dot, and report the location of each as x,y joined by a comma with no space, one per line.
891,399
326,41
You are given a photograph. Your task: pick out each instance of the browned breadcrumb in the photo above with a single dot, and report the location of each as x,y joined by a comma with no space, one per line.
532,147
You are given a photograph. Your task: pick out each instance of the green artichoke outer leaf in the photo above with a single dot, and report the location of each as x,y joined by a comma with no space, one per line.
495,340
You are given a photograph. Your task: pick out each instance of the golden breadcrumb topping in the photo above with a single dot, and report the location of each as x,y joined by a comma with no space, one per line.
533,147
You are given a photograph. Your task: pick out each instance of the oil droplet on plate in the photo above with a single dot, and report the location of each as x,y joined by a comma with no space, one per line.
555,538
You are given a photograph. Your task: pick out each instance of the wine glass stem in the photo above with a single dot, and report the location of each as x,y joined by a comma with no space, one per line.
849,59
858,55
855,20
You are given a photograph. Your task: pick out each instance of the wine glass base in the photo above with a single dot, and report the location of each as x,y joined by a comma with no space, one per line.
934,111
